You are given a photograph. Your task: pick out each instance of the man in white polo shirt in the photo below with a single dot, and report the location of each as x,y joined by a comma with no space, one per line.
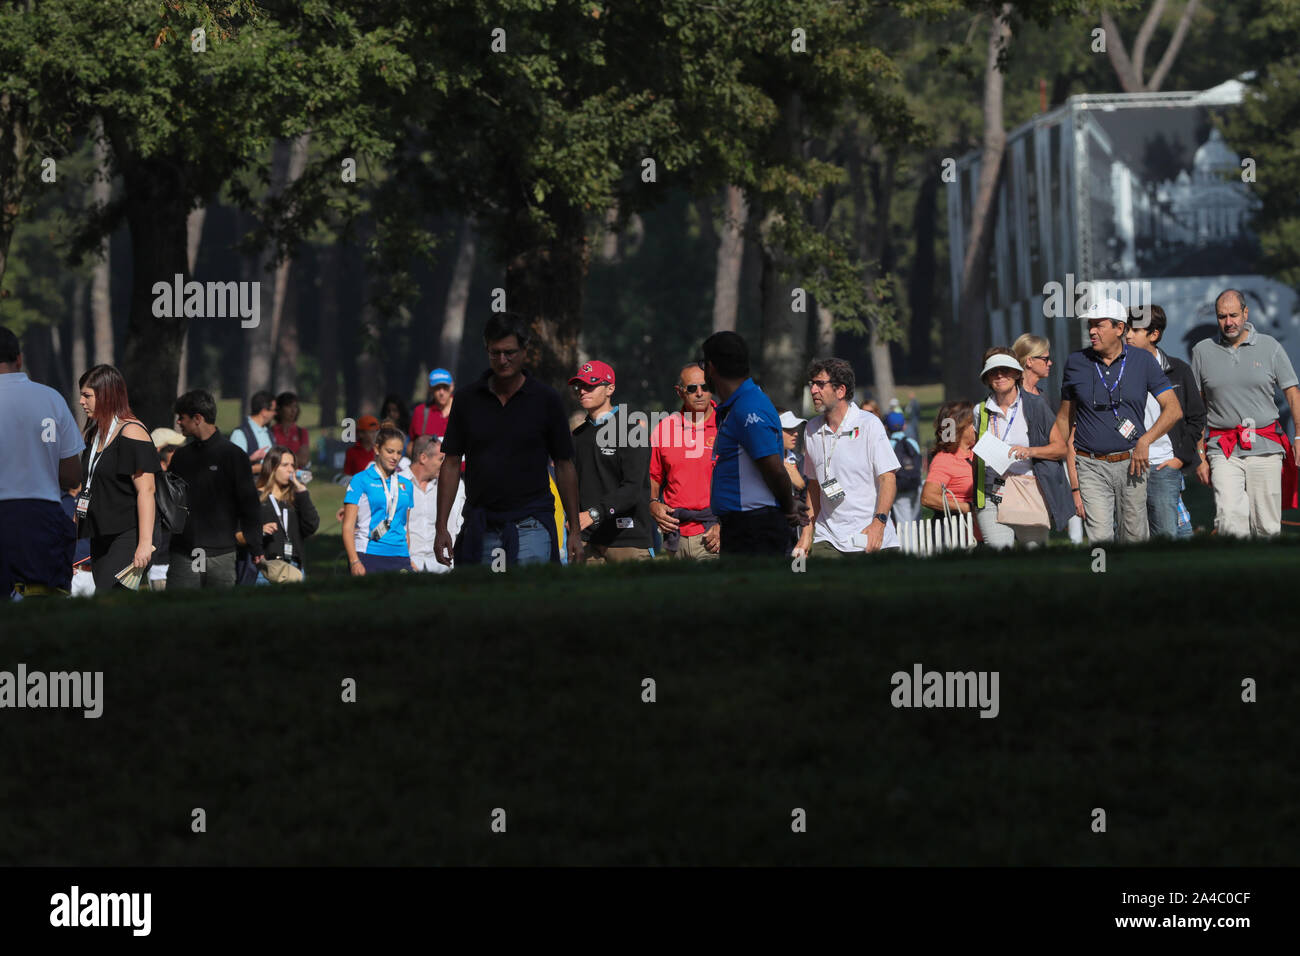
40,455
850,469
426,460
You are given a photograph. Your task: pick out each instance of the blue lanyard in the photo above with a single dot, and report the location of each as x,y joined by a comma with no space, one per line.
1110,389
1006,432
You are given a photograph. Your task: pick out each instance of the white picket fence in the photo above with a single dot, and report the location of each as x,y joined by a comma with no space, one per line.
936,535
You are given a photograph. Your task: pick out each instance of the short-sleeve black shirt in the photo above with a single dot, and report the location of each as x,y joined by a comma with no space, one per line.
507,447
112,491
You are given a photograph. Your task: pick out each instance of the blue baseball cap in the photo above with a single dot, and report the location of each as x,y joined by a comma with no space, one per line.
440,376
894,421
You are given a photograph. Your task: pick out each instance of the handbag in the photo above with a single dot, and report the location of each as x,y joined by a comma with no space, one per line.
172,501
1022,503
935,535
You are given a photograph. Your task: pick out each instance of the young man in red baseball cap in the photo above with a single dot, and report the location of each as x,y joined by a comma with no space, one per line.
612,455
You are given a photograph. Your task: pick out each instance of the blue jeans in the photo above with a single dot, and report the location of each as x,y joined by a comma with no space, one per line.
534,543
1164,485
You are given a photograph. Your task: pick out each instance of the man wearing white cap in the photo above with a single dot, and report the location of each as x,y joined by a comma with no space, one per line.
850,469
1103,397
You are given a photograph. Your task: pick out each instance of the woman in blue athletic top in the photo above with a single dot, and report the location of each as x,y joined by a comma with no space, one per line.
374,511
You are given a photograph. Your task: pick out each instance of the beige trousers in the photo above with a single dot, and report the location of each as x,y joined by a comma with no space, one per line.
692,549
1247,494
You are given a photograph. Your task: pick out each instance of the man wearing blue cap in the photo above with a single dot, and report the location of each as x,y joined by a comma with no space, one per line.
907,500
430,416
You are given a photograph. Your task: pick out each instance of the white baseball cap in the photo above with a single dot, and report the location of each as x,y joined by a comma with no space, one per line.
791,420
1106,309
1000,361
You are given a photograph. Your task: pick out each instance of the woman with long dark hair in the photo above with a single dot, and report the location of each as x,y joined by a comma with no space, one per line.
115,509
288,516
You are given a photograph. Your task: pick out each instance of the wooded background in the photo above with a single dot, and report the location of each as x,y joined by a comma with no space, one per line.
796,145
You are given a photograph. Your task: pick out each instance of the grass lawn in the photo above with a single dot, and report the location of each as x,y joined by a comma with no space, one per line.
523,690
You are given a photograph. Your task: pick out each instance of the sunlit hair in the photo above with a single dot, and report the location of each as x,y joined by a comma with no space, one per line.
962,414
1029,346
110,397
266,480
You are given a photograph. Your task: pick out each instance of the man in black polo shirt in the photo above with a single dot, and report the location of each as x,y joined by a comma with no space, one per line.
613,460
508,426
222,499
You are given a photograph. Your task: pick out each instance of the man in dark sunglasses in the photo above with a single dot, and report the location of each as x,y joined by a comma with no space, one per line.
681,471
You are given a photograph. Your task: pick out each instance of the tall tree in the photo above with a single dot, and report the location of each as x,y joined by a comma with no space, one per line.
731,254
972,327
453,314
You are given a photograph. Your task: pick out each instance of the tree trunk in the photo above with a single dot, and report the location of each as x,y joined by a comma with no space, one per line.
785,331
920,287
328,333
156,210
15,146
871,215
453,313
609,235
972,326
101,300
80,299
295,161
544,284
286,348
193,236
370,367
731,253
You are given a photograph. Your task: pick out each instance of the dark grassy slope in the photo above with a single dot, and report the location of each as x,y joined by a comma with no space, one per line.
523,691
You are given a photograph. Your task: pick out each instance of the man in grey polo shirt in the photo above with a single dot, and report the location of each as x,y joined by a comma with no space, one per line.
1238,372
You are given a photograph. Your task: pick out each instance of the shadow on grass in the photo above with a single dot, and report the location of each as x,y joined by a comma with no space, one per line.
524,691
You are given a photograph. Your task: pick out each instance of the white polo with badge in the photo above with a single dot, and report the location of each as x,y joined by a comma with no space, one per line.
846,466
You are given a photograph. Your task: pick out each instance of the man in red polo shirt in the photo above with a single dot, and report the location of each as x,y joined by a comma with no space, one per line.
681,471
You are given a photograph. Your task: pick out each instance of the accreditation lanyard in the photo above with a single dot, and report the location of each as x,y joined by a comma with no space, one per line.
279,516
826,457
390,495
1110,389
1006,432
97,454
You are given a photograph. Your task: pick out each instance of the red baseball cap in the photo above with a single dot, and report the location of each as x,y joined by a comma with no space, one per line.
367,422
594,373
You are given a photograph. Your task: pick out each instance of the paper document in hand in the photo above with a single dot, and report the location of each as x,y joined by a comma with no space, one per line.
995,452
130,576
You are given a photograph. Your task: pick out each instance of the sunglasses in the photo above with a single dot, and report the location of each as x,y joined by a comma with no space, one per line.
587,386
692,389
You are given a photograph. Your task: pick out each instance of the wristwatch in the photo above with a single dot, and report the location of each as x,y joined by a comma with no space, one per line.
594,514
882,518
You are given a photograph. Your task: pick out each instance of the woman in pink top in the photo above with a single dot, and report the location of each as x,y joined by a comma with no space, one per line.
952,466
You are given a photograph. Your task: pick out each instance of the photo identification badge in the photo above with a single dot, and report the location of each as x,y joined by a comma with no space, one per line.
1126,428
832,490
83,503
288,551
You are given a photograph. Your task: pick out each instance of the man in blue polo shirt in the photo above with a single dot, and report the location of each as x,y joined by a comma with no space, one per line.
1103,398
751,493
